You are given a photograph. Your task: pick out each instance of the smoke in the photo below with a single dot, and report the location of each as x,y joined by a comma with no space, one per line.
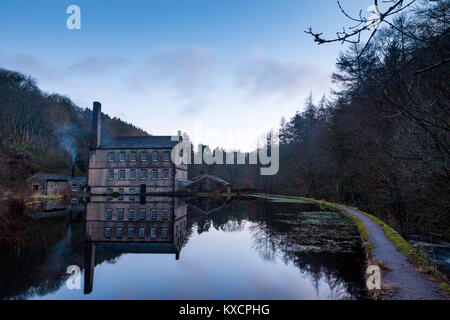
65,134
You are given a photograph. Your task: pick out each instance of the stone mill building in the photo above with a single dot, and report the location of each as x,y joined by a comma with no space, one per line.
127,166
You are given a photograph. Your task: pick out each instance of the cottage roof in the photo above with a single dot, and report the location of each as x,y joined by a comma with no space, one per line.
146,142
203,176
184,181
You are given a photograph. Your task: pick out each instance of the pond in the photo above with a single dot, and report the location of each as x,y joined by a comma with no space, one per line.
174,248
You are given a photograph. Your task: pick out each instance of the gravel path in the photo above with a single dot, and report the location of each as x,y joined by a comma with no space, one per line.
406,282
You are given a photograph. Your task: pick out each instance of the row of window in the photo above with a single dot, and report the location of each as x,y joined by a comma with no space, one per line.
133,156
132,192
132,174
141,214
141,233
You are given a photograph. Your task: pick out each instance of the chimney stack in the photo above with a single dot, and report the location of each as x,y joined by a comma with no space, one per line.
96,138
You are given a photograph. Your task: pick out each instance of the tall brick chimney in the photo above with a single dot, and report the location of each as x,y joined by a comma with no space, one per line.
96,133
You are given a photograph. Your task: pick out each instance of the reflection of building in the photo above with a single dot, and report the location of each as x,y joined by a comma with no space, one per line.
158,226
204,183
56,208
207,205
50,184
140,164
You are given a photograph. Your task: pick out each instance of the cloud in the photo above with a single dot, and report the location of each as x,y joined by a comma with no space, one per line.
266,77
188,72
96,65
31,65
27,64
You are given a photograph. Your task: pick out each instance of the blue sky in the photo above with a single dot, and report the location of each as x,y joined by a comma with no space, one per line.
232,66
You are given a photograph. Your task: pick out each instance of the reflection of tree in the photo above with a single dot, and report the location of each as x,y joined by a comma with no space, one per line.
203,226
233,226
263,242
39,268
338,291
272,238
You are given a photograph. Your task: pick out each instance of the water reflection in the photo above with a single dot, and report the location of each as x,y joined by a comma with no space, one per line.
157,226
202,248
58,207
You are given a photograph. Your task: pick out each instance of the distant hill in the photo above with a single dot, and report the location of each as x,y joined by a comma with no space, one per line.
44,132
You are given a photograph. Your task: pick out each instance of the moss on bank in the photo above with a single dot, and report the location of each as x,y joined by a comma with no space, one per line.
416,257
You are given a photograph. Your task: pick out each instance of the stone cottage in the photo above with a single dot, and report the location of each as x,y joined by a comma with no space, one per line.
52,184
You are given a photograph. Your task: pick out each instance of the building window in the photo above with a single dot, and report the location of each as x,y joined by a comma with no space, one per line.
109,192
154,214
122,174
122,156
166,156
155,156
119,233
166,174
108,214
74,201
130,233
141,233
131,214
120,214
153,233
110,175
165,214
154,174
74,187
121,193
110,156
142,214
133,156
144,174
164,233
132,174
132,192
144,156
107,233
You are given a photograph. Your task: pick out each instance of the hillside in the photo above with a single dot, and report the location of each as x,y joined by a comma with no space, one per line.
44,132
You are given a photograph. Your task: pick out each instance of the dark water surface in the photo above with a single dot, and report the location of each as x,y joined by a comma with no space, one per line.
172,248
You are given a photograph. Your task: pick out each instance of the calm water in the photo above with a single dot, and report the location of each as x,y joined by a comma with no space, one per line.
171,248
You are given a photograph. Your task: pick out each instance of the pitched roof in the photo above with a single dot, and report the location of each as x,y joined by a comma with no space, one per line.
146,142
200,177
184,181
